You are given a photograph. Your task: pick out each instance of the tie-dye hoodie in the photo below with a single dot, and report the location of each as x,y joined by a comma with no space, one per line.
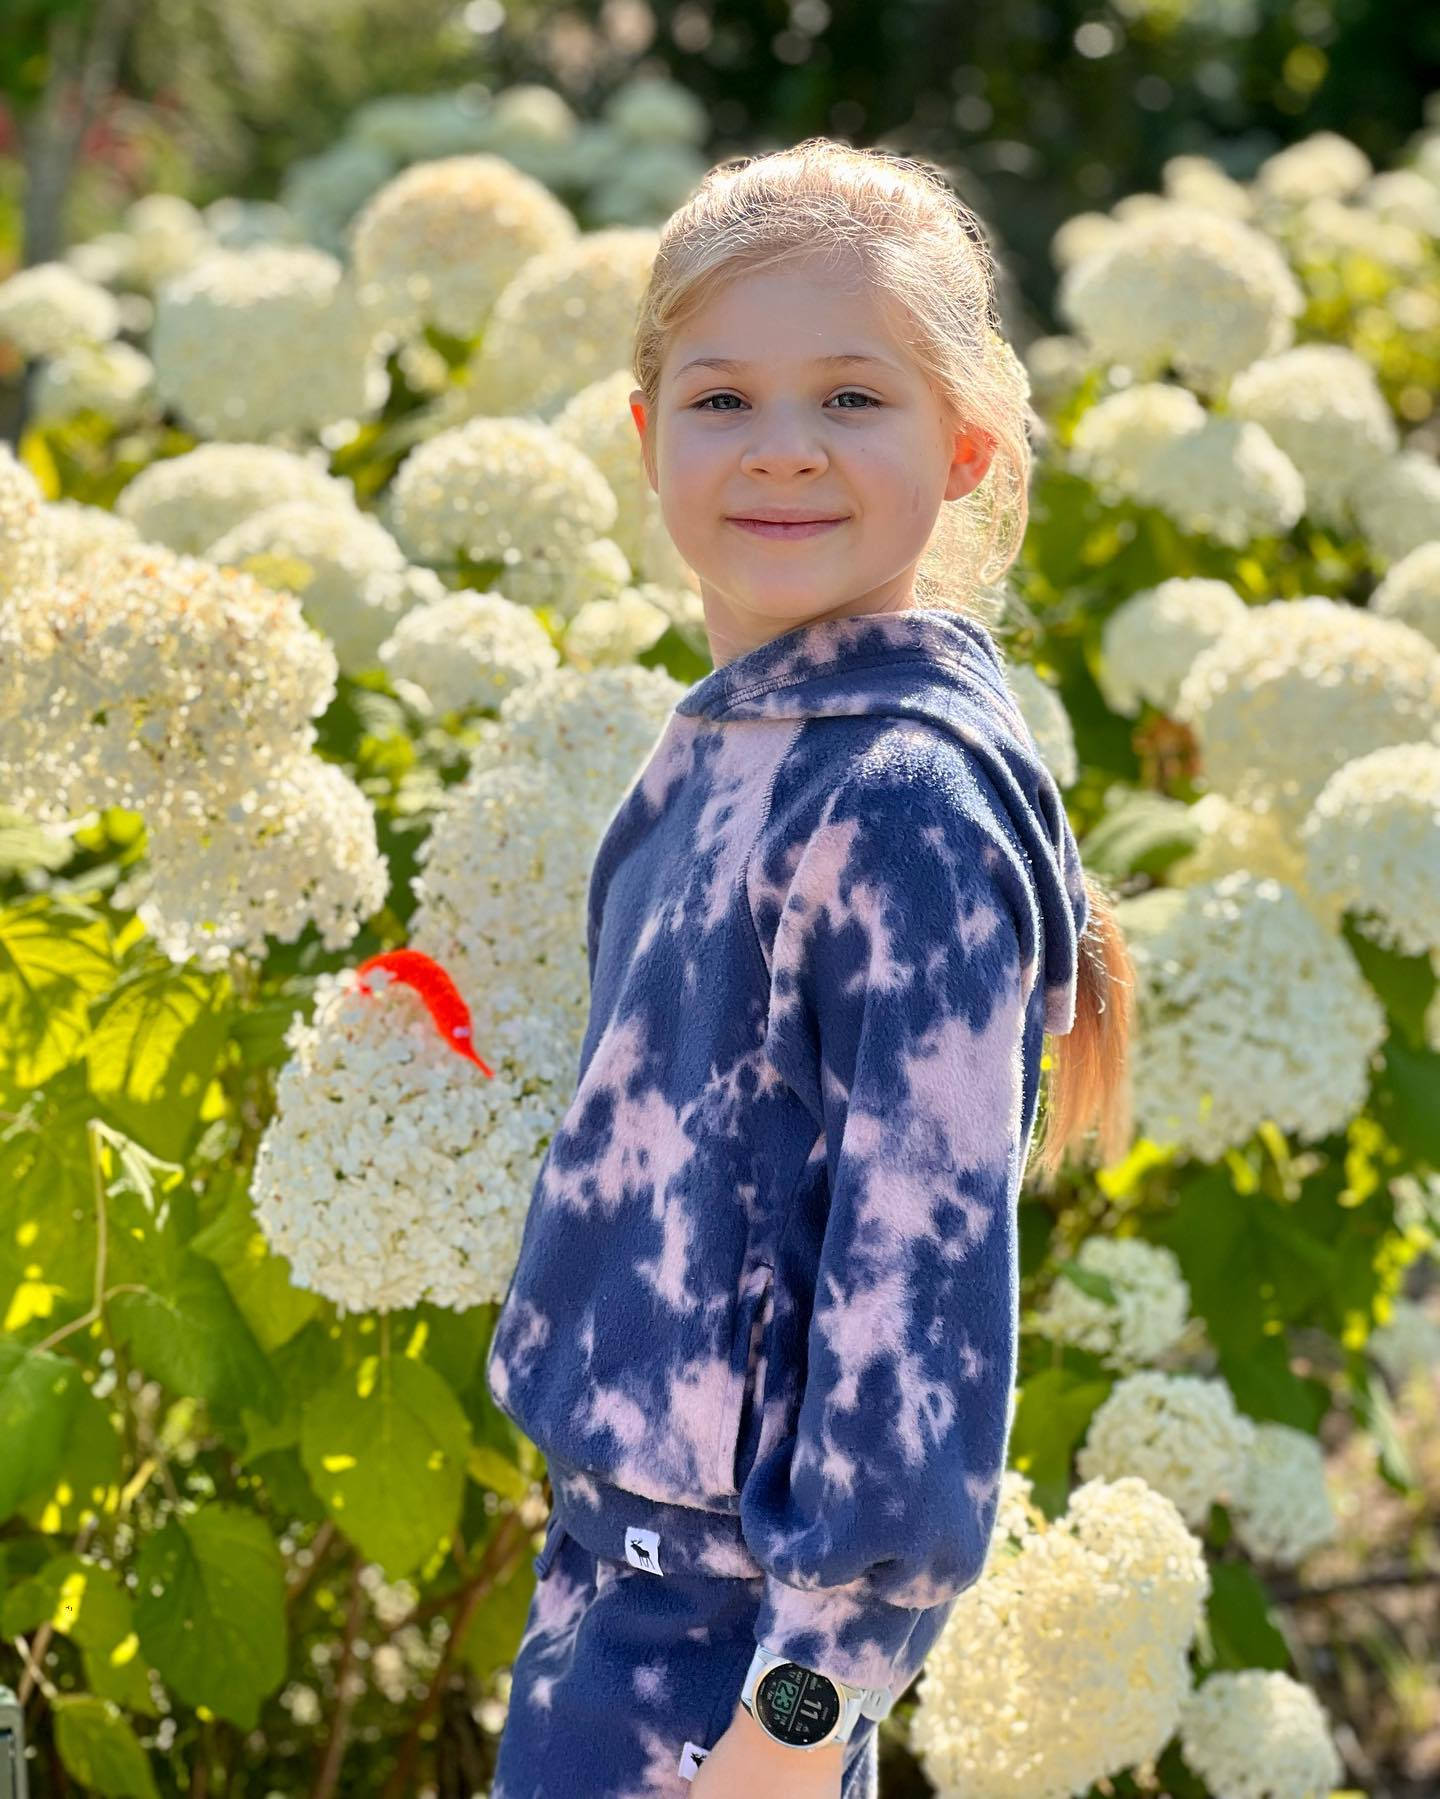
766,1302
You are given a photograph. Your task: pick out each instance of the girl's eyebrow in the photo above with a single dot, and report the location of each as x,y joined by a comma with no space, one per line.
729,365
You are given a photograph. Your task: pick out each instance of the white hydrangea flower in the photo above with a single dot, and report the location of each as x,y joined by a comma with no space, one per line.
650,181
1323,406
232,331
1083,234
535,127
140,674
507,488
1408,1341
561,321
49,308
1186,288
1299,688
614,631
599,724
112,378
597,420
1180,1433
1258,1734
1067,1660
1044,713
1322,165
298,848
441,240
681,605
28,552
1229,480
1056,365
1148,1316
1150,641
327,557
1326,231
1398,504
1405,197
1249,1009
393,1170
653,109
599,572
546,778
76,529
1281,1508
1215,475
505,837
467,649
1410,591
167,236
324,192
185,502
103,259
1200,181
1372,841
1233,837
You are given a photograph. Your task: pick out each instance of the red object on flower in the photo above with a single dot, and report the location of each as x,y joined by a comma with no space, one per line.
440,994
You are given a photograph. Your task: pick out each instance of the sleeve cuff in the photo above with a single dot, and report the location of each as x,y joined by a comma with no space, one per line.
843,1632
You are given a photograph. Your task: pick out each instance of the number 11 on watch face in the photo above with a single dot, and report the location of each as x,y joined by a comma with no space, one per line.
797,1705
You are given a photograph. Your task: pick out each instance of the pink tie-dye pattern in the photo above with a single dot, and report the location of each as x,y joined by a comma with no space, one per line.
842,928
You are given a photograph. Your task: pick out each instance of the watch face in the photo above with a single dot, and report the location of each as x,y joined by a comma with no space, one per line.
796,1704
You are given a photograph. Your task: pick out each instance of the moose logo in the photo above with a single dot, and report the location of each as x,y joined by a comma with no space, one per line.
642,1549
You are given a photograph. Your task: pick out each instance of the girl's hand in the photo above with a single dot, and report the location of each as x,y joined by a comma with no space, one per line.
748,1764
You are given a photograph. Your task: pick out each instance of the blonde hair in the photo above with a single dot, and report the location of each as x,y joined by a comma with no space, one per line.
928,258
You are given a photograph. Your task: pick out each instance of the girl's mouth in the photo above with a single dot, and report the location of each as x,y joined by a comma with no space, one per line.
767,528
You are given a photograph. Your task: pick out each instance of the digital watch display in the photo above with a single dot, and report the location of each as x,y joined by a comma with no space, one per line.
797,1705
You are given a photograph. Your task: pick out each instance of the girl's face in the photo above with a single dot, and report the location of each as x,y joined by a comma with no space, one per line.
788,425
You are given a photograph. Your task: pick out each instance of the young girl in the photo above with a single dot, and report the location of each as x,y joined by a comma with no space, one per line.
764,1319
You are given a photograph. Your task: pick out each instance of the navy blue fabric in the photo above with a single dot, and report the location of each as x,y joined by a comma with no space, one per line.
766,1302
617,1671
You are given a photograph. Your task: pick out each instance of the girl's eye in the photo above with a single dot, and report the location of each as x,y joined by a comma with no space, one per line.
869,399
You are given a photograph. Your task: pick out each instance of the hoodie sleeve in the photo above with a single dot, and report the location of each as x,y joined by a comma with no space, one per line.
901,974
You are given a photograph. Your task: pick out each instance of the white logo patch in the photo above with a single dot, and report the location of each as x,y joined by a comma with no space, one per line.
691,1757
642,1549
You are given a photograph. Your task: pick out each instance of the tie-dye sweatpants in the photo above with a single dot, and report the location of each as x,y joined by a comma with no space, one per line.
623,1675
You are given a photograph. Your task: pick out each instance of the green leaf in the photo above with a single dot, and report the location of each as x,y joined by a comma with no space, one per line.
210,1610
89,1477
303,1366
499,1619
1141,833
1237,1613
99,1749
195,1340
1404,985
152,1052
385,1447
1403,1096
259,1281
53,963
85,1602
1052,1414
38,1397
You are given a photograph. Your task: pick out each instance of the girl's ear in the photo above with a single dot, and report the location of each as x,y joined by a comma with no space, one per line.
974,451
639,411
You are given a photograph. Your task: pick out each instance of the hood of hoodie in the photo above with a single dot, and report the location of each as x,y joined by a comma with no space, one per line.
946,668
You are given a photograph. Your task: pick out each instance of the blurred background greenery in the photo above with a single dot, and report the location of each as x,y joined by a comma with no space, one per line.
1038,108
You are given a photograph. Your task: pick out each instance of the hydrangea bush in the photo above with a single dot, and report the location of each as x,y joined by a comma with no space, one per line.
367,660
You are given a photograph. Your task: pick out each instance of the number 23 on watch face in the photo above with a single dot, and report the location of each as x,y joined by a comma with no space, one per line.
797,1705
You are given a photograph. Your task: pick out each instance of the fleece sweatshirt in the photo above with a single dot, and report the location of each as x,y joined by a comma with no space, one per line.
765,1311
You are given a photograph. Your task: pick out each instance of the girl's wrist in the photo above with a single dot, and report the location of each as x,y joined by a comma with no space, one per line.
766,1755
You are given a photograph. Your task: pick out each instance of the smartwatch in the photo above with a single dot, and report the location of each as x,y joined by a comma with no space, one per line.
802,1708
